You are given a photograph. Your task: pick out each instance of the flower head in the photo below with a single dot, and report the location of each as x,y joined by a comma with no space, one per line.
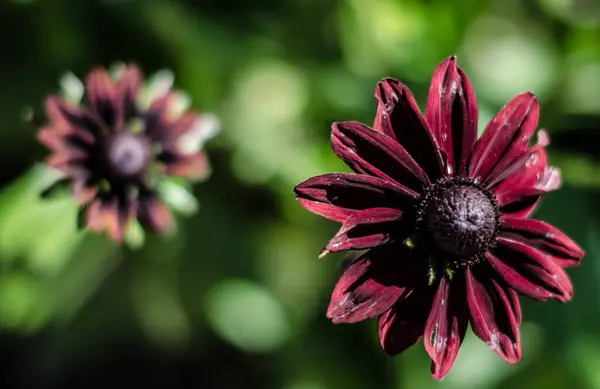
120,142
444,218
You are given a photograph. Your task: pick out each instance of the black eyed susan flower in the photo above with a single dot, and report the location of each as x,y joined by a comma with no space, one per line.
121,145
444,218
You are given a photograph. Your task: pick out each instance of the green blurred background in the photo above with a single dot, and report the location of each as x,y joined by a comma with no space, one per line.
237,298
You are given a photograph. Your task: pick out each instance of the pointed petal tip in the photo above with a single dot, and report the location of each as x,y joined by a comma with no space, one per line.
450,59
323,253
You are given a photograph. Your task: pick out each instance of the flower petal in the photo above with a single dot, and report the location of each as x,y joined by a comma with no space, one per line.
110,213
399,117
64,138
127,91
68,161
452,114
494,313
158,118
530,271
192,166
505,137
337,196
372,284
153,214
544,237
528,172
365,229
520,193
102,97
522,201
63,115
403,325
371,152
84,188
446,325
524,169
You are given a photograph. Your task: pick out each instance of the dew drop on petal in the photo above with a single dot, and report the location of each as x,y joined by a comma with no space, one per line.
444,136
533,159
388,109
450,169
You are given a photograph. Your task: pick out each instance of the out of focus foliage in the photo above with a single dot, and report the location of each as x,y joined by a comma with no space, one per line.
237,298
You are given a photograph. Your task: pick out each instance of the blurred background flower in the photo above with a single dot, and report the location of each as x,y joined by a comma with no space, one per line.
237,296
125,149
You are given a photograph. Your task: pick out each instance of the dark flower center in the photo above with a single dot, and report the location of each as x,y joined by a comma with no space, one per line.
460,219
127,154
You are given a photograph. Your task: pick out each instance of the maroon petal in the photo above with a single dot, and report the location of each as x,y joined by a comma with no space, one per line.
544,237
533,173
102,97
84,188
525,168
404,324
522,202
371,152
110,214
446,325
505,137
399,117
337,196
530,271
192,166
153,214
127,91
520,193
64,115
63,138
181,126
158,118
68,161
365,229
452,114
495,313
372,284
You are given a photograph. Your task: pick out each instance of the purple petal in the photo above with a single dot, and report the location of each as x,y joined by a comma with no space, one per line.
371,152
102,97
110,214
153,214
372,284
68,161
65,115
365,229
452,114
127,91
505,137
543,237
193,166
58,138
179,127
398,117
495,313
157,119
337,196
404,324
530,271
446,325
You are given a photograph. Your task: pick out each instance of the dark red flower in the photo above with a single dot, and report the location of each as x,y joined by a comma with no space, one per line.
444,217
115,150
